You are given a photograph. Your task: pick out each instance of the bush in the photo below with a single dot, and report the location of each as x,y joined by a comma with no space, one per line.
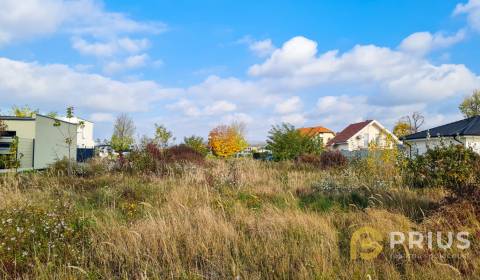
287,143
183,154
327,160
157,160
309,159
453,167
332,159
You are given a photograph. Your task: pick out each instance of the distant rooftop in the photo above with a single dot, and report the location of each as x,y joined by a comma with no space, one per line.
470,126
348,132
314,130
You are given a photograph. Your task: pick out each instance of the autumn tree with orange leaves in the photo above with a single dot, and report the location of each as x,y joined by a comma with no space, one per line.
227,140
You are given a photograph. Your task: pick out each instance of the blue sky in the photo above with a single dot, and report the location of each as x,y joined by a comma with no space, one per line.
191,65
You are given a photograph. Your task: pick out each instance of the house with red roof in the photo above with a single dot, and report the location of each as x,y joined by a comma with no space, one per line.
318,131
358,136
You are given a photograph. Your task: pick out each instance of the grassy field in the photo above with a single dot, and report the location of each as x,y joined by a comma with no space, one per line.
225,219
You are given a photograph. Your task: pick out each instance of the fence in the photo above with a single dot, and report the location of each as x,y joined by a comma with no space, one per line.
83,154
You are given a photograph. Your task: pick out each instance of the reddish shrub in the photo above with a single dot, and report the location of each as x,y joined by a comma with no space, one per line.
154,151
183,153
332,159
313,160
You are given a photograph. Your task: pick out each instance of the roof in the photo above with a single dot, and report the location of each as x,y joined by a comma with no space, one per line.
14,118
348,132
470,126
314,130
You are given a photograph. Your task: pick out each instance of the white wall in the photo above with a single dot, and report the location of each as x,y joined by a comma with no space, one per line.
473,142
421,146
325,137
361,140
84,133
50,143
25,131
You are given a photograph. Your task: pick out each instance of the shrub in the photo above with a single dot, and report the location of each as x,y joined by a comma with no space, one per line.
183,154
197,143
309,159
332,159
453,167
157,160
287,143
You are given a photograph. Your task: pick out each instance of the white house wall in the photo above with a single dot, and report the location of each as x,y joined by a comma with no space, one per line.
85,136
421,146
50,143
473,142
25,131
370,133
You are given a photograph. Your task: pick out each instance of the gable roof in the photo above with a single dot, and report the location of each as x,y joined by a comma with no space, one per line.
470,126
348,132
314,130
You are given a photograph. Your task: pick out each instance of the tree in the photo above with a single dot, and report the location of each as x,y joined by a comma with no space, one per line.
286,142
68,136
162,136
415,121
402,129
470,106
197,143
23,112
227,140
123,131
3,126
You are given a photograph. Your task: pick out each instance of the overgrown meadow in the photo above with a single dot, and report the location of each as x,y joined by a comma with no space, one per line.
177,215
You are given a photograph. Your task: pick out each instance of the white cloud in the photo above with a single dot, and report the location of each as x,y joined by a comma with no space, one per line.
262,48
472,10
27,19
421,43
290,105
187,107
59,85
237,117
221,106
131,62
110,48
296,119
102,117
397,76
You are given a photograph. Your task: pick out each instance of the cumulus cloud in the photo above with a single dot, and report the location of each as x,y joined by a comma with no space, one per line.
472,10
27,19
131,62
289,105
398,77
262,48
221,106
102,117
110,48
296,119
60,85
421,43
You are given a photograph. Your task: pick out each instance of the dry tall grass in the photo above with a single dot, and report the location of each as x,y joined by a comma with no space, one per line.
239,219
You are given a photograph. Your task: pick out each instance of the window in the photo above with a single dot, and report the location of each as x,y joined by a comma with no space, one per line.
4,145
